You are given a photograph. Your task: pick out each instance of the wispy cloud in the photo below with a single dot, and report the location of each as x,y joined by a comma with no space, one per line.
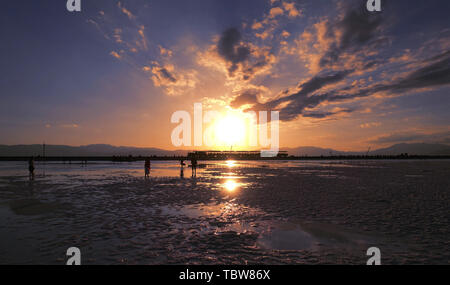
126,11
134,47
275,12
115,54
173,84
291,9
370,125
70,126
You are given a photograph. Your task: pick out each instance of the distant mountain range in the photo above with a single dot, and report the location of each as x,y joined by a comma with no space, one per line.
411,149
415,148
109,150
87,150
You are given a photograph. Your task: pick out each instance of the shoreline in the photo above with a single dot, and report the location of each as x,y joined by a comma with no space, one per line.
171,158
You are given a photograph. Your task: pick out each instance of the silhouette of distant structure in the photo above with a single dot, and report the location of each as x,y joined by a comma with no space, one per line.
220,155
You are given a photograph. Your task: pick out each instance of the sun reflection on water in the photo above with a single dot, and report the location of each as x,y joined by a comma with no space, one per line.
231,185
230,163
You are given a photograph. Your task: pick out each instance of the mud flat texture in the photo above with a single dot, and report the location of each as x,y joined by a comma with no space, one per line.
316,212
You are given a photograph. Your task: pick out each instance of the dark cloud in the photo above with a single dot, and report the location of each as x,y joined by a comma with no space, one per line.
249,71
231,49
239,56
247,97
164,74
320,81
310,86
436,73
440,56
355,30
298,105
372,63
298,101
321,115
303,99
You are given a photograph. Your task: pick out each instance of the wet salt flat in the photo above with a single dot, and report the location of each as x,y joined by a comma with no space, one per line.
233,212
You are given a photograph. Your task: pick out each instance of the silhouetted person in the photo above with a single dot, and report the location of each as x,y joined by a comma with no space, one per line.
31,168
182,164
147,167
194,166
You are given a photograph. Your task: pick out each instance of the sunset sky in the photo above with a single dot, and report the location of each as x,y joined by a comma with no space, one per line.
340,76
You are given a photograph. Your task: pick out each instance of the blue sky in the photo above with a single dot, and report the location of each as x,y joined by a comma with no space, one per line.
114,73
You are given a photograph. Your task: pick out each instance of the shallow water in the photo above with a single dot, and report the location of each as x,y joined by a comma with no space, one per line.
240,212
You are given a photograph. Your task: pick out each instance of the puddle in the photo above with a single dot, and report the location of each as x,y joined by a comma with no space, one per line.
287,236
310,236
208,210
30,207
271,234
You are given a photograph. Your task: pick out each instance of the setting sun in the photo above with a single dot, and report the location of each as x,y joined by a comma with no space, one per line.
230,130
